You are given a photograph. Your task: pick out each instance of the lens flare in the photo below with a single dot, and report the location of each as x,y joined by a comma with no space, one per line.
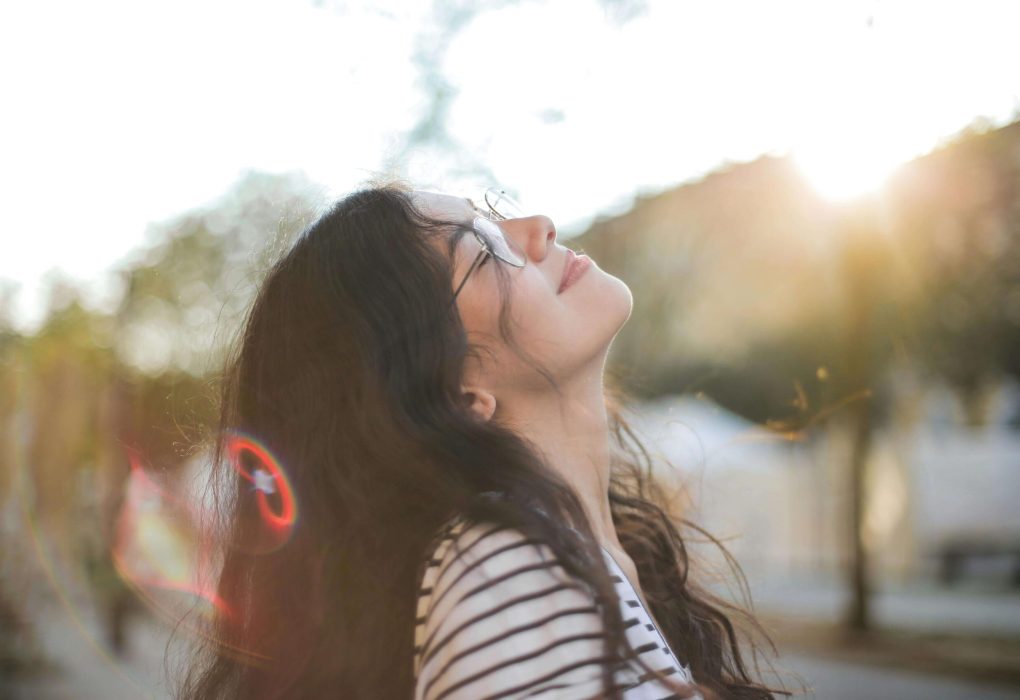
158,545
269,483
163,546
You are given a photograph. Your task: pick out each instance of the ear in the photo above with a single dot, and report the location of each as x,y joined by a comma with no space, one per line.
480,401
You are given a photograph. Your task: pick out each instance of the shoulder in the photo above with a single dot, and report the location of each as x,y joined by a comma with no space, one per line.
472,562
497,613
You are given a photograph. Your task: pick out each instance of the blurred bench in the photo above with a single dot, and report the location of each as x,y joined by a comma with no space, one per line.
958,558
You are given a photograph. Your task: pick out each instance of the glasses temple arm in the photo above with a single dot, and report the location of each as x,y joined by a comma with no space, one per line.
478,258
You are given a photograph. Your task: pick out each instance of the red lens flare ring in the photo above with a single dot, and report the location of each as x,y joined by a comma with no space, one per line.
267,478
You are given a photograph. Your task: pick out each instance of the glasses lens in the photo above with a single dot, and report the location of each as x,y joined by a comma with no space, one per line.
502,247
502,205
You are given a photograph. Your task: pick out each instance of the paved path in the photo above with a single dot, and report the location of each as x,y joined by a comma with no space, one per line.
85,669
88,671
918,608
835,680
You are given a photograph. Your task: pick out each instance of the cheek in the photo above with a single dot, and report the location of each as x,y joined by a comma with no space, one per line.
479,312
536,317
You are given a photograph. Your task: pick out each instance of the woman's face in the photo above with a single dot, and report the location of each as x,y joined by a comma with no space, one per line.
568,332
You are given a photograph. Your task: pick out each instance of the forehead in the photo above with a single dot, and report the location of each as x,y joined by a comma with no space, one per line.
443,206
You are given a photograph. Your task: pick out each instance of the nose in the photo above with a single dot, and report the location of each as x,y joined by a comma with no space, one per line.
534,234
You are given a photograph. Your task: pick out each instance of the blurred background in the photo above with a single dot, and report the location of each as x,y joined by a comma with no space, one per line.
816,206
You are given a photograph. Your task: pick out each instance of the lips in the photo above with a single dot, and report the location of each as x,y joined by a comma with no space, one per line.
571,257
572,269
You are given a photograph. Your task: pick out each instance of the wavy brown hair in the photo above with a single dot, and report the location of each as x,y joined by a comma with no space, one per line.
348,369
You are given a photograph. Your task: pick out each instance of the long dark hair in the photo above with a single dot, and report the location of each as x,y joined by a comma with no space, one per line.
348,369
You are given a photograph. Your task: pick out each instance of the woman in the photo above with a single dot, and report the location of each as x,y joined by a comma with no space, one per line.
471,517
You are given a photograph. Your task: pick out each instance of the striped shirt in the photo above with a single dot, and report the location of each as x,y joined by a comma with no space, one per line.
500,618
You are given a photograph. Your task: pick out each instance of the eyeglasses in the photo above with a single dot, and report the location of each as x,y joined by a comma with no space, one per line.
491,238
502,206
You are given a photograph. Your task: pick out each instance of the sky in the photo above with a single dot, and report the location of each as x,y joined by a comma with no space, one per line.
119,114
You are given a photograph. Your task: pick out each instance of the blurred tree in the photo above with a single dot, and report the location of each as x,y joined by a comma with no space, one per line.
958,209
67,365
10,341
429,138
789,309
17,646
87,385
739,288
735,278
194,282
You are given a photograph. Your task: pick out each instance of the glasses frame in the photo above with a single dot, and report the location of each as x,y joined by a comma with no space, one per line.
493,196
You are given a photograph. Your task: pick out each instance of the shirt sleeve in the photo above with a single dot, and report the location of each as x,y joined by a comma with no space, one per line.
498,617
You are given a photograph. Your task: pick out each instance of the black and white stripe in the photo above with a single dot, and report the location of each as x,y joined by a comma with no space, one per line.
498,617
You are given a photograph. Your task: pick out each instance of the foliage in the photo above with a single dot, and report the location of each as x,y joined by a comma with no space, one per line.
198,276
749,286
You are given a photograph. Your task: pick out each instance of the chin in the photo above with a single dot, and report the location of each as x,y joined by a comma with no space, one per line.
608,306
621,303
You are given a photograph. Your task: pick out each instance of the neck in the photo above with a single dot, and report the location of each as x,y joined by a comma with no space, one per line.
572,432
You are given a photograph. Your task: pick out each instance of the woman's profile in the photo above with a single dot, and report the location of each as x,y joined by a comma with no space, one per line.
472,516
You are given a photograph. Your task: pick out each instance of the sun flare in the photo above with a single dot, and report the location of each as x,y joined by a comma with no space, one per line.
844,170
